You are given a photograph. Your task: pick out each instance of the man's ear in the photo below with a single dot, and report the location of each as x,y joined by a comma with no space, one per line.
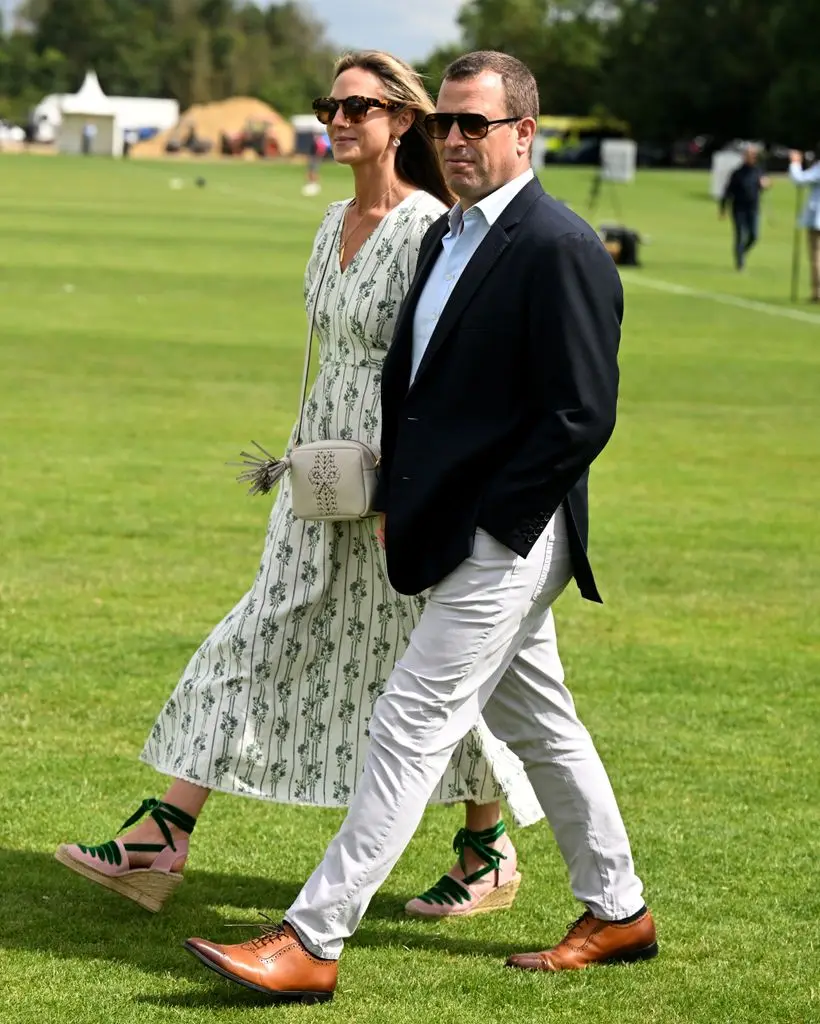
526,129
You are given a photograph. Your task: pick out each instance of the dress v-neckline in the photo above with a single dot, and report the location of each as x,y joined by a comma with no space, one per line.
373,233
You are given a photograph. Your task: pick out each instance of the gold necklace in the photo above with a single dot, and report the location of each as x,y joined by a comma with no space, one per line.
359,222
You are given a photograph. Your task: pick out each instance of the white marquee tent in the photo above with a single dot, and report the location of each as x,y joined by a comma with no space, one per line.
135,113
90,112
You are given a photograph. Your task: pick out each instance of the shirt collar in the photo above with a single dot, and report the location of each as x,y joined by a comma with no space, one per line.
492,206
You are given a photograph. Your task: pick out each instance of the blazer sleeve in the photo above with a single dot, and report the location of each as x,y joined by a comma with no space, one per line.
570,382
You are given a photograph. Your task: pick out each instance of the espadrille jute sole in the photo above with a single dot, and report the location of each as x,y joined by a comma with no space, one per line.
501,898
145,886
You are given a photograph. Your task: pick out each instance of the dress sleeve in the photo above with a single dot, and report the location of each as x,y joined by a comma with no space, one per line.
420,224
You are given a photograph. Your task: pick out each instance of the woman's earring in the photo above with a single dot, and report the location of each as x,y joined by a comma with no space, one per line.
396,141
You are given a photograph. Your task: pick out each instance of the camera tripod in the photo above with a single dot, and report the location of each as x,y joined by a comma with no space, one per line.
595,190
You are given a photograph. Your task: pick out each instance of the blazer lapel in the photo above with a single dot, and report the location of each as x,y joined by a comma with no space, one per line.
481,263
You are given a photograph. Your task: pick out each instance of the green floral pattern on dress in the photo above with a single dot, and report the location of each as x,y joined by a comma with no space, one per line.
276,702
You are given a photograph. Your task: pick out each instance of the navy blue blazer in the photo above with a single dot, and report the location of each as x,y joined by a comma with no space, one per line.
513,400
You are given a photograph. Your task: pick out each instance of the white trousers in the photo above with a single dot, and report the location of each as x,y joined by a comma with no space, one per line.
486,641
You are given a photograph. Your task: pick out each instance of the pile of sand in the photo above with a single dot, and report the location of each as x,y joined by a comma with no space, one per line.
210,119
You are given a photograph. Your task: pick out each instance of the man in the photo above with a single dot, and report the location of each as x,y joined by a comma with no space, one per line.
498,392
743,190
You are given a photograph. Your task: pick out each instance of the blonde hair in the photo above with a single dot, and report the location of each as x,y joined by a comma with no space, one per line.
417,160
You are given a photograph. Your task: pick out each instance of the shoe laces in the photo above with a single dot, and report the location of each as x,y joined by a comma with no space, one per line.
575,925
270,930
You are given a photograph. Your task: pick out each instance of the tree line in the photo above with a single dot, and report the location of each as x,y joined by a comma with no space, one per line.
193,51
670,68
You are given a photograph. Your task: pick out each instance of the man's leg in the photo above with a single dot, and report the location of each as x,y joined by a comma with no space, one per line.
739,243
474,622
533,711
752,227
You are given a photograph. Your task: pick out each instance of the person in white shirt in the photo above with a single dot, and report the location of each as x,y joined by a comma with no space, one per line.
810,219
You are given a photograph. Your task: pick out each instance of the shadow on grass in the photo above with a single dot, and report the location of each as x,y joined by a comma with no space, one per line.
222,995
48,909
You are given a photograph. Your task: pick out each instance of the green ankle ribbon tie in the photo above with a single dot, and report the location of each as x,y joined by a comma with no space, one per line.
162,813
450,891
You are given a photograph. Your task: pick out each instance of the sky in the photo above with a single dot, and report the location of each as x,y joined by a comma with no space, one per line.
411,29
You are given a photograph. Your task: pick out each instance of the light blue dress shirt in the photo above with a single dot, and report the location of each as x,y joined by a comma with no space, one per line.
811,176
467,232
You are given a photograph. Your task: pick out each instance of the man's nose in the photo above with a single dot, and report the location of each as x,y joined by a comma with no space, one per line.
454,136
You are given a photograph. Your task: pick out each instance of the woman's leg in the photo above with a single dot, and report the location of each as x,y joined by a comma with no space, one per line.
182,794
477,818
144,865
485,875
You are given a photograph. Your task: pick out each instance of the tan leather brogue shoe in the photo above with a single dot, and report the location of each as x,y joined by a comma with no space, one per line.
274,963
592,941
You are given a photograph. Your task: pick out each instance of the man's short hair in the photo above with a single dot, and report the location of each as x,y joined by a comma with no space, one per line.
520,87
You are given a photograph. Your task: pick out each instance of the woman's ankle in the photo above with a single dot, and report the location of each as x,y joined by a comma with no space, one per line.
148,831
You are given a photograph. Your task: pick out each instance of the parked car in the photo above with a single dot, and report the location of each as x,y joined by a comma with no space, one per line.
694,152
652,154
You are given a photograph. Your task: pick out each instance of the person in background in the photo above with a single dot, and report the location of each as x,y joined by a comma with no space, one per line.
319,148
129,139
743,191
89,134
810,218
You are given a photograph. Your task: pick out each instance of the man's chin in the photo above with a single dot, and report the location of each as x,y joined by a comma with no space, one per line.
462,184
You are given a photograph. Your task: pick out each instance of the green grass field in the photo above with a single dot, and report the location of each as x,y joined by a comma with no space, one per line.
146,334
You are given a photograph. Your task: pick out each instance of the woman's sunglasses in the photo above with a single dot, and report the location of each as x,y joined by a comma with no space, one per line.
354,108
471,126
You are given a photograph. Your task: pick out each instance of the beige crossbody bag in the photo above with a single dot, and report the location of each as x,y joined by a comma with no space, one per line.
330,480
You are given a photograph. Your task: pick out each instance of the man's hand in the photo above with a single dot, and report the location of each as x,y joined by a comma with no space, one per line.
380,529
765,182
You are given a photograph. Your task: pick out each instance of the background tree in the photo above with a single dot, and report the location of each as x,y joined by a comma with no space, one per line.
671,68
191,50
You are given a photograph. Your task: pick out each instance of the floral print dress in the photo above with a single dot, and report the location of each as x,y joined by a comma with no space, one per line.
276,702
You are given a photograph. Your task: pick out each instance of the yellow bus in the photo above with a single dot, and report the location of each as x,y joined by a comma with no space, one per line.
563,133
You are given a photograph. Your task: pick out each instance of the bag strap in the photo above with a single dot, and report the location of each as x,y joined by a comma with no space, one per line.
311,323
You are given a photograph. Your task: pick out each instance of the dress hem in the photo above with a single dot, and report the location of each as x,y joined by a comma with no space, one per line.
521,821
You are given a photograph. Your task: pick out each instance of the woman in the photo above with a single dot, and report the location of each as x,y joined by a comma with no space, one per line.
275,703
811,213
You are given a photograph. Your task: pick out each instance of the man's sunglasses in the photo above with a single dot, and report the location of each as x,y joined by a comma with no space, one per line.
354,108
471,126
